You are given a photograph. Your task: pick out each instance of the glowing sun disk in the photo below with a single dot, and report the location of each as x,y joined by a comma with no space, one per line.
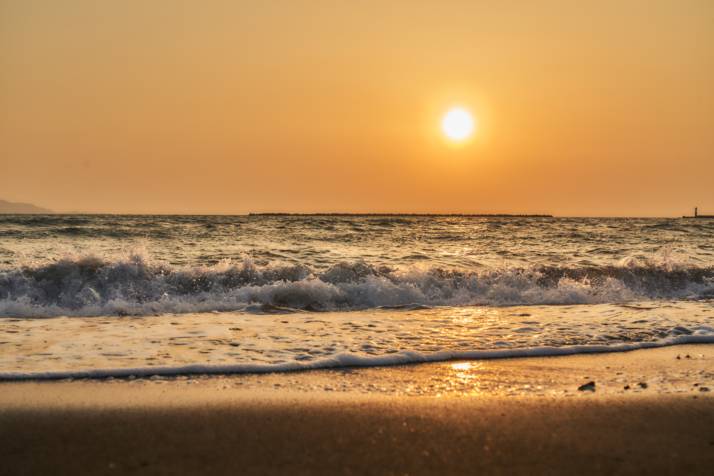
458,124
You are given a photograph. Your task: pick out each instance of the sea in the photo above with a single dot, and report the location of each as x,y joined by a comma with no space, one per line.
97,296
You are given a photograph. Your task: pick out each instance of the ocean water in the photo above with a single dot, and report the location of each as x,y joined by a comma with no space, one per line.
144,295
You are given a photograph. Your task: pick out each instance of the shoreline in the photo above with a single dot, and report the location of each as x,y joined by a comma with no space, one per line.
686,369
350,362
507,416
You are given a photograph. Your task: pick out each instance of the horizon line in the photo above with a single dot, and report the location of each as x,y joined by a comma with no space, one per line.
352,214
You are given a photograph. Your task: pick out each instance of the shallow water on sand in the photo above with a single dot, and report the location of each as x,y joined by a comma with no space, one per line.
241,342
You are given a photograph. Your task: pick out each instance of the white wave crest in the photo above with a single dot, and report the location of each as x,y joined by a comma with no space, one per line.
90,285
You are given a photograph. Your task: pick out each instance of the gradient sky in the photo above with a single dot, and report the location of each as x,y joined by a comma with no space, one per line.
584,108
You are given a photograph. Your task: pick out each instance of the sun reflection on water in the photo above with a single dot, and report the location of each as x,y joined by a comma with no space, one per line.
461,366
465,376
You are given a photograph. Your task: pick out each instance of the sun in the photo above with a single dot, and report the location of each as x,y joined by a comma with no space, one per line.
458,124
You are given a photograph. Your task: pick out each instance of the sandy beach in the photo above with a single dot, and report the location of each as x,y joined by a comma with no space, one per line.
650,413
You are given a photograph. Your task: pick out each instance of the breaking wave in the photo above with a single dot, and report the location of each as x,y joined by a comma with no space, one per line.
133,285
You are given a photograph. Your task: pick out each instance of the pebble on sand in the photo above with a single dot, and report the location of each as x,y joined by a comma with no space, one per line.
588,387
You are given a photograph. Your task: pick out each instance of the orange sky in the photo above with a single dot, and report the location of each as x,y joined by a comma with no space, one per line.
584,108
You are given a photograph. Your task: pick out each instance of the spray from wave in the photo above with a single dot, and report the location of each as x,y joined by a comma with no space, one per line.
90,285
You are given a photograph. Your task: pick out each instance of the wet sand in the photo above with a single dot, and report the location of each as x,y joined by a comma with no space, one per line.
519,416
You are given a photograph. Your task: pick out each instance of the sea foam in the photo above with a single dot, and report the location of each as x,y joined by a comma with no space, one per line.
89,285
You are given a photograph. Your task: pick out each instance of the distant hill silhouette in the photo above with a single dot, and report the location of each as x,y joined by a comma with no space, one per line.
10,207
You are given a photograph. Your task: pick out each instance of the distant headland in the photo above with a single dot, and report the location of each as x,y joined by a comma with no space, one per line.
21,208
